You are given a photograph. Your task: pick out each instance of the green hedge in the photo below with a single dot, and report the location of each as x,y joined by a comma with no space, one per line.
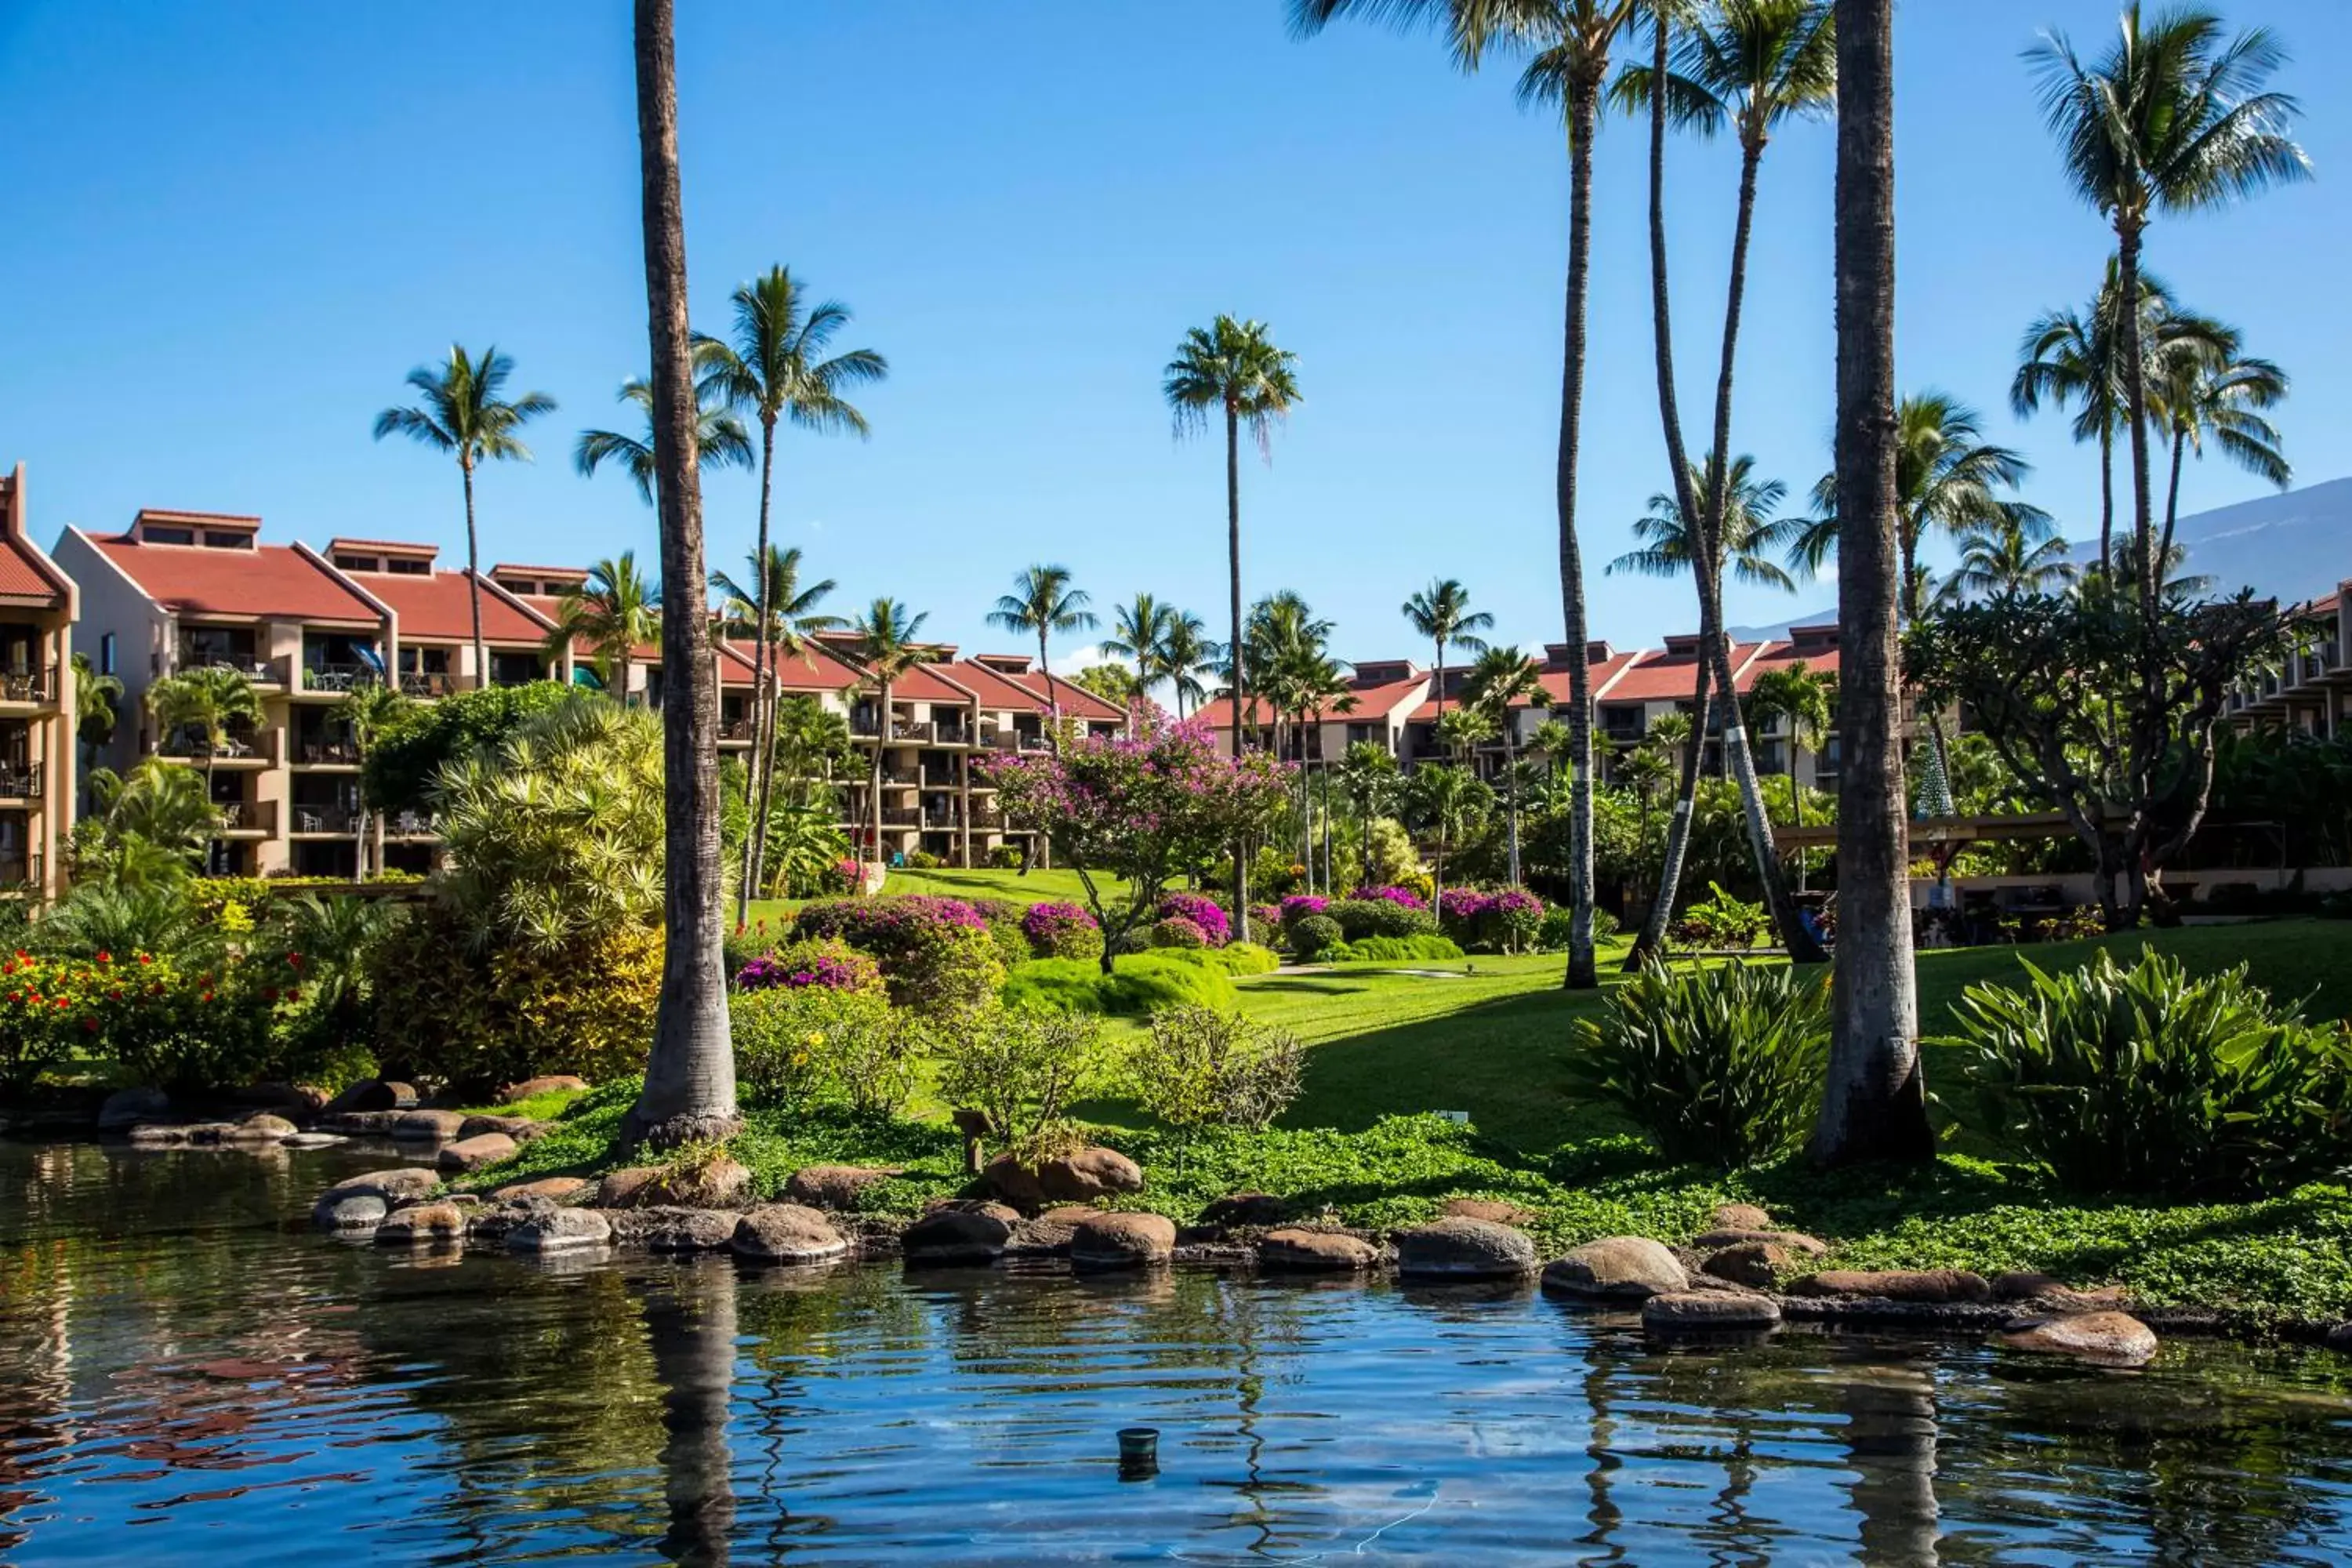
1142,983
1393,949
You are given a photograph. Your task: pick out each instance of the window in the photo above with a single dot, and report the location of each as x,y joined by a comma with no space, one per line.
216,540
154,535
408,568
106,654
356,562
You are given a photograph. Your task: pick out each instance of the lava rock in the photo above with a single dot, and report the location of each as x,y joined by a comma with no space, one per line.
1709,1311
1244,1209
2104,1338
159,1134
1757,1264
550,1083
473,1153
1463,1249
1740,1216
837,1187
127,1108
786,1232
675,1229
1078,1178
557,1188
1931,1286
428,1126
372,1094
1109,1241
345,1205
260,1128
1618,1269
1794,1240
560,1230
350,1211
1302,1251
947,1236
1490,1209
423,1223
521,1129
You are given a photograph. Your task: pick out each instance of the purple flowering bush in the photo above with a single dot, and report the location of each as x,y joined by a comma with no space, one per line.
1371,917
1215,926
1062,931
1506,921
825,962
937,954
1404,898
1178,931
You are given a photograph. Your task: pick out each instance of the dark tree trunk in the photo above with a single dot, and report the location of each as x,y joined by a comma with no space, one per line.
2107,494
689,1090
759,785
2128,237
690,1324
1233,654
1874,1106
1584,102
474,576
2171,509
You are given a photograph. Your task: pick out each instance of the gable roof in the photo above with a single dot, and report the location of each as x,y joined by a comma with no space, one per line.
267,580
439,606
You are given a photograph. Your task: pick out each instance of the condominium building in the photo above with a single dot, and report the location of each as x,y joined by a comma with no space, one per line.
2311,691
37,706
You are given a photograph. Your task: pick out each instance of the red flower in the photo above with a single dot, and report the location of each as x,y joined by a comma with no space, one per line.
206,997
89,1026
104,956
295,959
144,958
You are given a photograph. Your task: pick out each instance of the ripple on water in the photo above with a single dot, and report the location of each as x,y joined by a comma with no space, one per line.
182,1374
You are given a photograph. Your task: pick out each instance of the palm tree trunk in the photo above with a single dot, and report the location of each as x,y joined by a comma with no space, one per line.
1796,802
1511,796
756,783
1802,945
1233,654
1874,1105
474,574
2106,494
1661,330
874,784
1584,104
1053,698
1440,677
689,1089
2127,243
2171,509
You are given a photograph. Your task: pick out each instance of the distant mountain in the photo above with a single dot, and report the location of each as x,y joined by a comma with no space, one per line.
2297,546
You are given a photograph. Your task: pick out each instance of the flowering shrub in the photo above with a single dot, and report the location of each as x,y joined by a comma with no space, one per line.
1459,911
1404,897
1361,918
1298,906
1514,918
1176,930
1005,918
1062,931
1203,911
845,877
826,961
937,954
884,926
192,1028
746,942
1265,917
798,1046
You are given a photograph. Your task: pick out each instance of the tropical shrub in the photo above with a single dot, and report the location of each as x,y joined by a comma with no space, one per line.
1513,920
1204,912
161,920
1136,986
1426,948
826,963
1022,1067
1314,935
800,1046
406,758
1721,921
1298,906
1005,856
1392,893
1366,917
1553,930
924,861
1265,917
1201,1067
1235,957
746,942
1062,931
1176,930
1720,1067
937,954
2146,1081
1005,928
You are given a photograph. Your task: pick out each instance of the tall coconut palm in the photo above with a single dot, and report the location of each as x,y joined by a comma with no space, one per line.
462,410
2006,559
1752,530
690,1088
886,634
2173,118
1449,799
777,365
1231,371
1139,632
1874,1104
1503,679
1185,652
1044,602
2202,385
1369,781
366,711
780,617
1442,613
616,612
720,441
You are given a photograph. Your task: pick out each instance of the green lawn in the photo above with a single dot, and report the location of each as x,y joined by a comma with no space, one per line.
1037,888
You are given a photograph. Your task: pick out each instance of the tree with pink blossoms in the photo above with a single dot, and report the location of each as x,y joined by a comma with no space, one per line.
1144,810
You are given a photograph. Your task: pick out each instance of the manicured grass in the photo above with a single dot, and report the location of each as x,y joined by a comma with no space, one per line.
1037,888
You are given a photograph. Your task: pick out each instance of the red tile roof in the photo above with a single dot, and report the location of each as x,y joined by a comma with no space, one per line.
26,574
925,683
265,579
995,689
1076,700
1555,687
1788,656
438,606
1663,677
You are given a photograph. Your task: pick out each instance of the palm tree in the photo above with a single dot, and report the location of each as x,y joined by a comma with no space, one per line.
778,613
2172,119
1797,695
1044,602
1185,652
885,637
461,410
1442,613
1751,529
2201,384
367,711
615,611
1232,370
1449,799
690,1088
1874,1104
1139,632
1647,767
1368,780
720,441
1463,731
207,699
1502,680
777,366
97,707
2006,559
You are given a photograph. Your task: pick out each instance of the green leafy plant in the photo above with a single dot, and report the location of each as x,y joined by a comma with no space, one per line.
1022,1067
1311,936
1721,921
1426,949
1199,1067
1720,1067
1137,985
2144,1079
1360,917
799,1045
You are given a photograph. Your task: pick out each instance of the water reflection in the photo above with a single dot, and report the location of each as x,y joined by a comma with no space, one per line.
182,1371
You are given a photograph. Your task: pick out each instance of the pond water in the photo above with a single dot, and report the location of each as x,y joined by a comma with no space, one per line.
186,1371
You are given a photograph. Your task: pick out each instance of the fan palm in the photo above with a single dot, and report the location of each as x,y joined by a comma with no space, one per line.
2202,385
1502,680
2173,118
690,1088
462,410
1442,613
719,441
781,617
1044,602
1751,529
886,634
1231,371
2005,559
616,612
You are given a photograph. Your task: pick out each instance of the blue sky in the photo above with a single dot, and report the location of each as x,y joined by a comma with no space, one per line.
232,229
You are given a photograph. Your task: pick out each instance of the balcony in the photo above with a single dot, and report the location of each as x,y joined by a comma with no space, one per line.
736,729
429,683
20,781
1015,740
328,819
247,817
902,817
327,754
39,685
260,671
335,679
938,816
236,750
19,872
907,777
411,825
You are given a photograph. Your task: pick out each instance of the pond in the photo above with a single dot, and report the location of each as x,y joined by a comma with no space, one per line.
186,1370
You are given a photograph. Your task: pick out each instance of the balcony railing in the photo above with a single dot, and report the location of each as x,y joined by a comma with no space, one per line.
20,781
937,818
260,671
735,729
411,825
430,682
327,677
261,749
902,775
248,816
29,686
317,752
19,871
902,817
324,818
